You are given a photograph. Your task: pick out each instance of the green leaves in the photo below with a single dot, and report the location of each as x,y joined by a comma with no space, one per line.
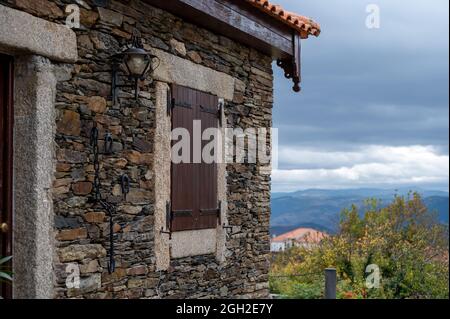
5,260
5,275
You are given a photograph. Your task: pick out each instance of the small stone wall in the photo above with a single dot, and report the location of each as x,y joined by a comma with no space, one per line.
80,228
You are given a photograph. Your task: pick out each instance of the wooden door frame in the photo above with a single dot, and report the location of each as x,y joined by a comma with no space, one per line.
7,197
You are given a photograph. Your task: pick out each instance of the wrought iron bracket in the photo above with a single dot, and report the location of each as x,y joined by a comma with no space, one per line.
167,232
170,102
220,113
109,143
115,86
169,218
110,208
292,66
125,186
219,213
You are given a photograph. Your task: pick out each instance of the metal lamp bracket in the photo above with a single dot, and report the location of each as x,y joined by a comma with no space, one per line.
115,86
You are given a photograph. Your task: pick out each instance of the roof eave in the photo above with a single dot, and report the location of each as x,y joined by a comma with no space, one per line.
239,21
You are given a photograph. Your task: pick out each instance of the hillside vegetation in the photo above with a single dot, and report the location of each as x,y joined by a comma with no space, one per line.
404,240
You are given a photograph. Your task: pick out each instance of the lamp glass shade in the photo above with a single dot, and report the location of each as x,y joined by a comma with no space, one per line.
137,64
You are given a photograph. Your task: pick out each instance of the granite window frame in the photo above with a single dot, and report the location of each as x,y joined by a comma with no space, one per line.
183,72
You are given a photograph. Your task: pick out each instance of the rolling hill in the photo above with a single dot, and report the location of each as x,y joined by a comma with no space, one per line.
319,208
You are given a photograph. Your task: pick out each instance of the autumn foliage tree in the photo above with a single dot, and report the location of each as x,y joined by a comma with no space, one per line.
403,240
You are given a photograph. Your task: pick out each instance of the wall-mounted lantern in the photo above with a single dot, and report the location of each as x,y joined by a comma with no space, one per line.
133,62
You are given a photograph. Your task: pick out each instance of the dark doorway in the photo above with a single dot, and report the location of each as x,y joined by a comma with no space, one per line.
6,152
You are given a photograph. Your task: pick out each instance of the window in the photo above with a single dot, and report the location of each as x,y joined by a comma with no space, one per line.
194,203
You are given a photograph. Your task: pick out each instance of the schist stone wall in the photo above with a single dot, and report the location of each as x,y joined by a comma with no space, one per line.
81,228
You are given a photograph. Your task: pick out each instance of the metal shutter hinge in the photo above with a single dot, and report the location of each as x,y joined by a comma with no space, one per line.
169,219
220,113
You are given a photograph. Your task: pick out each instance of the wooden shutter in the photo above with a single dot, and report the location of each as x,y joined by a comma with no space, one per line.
194,185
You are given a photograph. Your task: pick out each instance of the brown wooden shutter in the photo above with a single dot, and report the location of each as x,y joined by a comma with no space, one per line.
207,111
194,185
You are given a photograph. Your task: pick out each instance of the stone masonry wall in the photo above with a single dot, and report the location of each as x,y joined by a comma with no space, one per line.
83,96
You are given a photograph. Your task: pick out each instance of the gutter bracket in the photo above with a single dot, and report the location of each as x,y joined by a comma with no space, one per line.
292,66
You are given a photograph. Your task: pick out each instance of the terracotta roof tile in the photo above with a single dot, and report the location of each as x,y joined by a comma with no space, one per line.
304,25
307,234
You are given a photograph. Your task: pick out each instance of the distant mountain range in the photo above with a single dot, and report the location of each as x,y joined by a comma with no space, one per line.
320,208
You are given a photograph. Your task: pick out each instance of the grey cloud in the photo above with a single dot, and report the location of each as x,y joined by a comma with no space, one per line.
387,86
369,87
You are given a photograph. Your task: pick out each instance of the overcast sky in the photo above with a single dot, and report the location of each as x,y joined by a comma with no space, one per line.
374,106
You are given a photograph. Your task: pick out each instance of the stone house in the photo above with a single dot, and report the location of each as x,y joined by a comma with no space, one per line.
300,237
110,215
